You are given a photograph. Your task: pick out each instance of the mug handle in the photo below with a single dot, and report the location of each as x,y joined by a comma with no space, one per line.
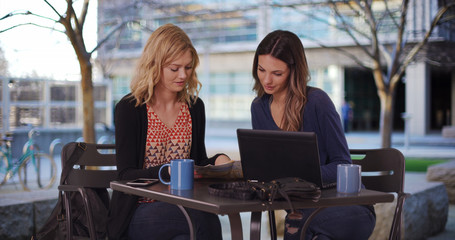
159,174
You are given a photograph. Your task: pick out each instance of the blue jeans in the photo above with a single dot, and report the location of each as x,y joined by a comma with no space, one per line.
344,222
161,221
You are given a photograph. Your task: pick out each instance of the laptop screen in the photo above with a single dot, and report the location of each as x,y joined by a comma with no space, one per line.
270,154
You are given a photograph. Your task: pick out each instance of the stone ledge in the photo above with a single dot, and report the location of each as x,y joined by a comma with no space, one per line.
22,213
444,172
425,212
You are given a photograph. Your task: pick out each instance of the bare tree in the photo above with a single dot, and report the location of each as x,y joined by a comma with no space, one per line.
73,26
383,53
389,50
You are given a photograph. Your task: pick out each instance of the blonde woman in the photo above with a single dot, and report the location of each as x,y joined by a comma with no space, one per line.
285,102
162,109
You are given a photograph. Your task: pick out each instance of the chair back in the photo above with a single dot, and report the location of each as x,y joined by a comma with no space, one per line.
95,168
87,170
383,170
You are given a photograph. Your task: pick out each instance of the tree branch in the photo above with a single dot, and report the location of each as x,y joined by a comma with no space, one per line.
102,41
72,17
399,42
84,11
341,50
347,29
53,9
12,14
33,24
411,55
386,2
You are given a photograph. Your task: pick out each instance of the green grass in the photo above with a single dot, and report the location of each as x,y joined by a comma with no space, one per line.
421,164
414,164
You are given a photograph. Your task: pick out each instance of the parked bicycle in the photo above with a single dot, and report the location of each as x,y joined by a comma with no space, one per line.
33,164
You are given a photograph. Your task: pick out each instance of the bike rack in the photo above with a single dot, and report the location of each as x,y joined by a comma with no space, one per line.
52,146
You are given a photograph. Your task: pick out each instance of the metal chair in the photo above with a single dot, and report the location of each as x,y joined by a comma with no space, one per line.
94,169
383,170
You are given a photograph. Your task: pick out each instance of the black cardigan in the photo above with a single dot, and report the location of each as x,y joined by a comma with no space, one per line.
130,140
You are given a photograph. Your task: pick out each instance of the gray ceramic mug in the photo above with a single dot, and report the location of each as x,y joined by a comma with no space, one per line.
349,178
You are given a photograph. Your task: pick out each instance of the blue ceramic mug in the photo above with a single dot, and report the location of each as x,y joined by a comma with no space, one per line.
349,178
182,174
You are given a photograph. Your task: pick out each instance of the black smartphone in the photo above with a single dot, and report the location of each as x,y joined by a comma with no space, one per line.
142,182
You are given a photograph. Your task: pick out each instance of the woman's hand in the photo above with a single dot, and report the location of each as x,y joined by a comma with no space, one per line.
222,159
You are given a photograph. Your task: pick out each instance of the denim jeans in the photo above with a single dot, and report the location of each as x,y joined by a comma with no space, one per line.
161,221
343,222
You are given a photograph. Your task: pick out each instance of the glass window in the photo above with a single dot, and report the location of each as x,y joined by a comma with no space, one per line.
1,117
26,90
99,93
63,115
22,116
1,89
130,37
121,86
63,93
50,103
211,22
230,96
100,115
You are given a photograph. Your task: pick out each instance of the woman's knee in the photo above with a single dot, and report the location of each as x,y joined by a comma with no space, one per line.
351,222
207,225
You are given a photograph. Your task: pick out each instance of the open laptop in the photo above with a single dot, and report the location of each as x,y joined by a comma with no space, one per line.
270,154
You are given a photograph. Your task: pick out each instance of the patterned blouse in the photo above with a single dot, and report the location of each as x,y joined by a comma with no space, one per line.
164,143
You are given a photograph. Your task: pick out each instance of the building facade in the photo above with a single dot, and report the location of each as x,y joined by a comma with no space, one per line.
49,104
226,34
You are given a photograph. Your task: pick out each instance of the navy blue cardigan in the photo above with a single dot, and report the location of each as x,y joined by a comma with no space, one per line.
320,117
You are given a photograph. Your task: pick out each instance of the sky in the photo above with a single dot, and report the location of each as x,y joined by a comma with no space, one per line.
34,51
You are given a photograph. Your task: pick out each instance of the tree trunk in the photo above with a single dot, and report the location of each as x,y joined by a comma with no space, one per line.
88,130
386,118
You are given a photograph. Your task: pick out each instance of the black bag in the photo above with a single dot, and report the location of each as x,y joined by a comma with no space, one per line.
289,188
55,226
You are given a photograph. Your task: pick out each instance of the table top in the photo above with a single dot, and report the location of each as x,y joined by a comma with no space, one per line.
200,198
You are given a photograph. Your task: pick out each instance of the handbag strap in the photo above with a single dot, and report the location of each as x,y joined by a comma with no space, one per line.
79,149
75,155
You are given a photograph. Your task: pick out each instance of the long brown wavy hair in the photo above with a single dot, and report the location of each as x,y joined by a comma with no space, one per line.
287,47
164,45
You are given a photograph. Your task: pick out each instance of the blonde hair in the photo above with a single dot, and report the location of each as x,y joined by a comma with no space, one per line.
164,45
287,47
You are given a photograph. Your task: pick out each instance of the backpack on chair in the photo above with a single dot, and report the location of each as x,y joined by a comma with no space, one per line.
56,225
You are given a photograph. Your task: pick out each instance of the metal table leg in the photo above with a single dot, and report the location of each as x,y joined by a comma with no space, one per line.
190,223
272,224
255,225
307,222
236,226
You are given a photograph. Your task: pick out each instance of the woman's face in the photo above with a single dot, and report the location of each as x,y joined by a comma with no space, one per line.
175,74
273,74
